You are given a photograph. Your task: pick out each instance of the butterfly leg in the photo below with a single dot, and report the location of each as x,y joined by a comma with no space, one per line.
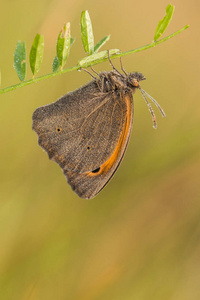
115,83
122,67
112,63
93,70
88,73
105,87
96,80
100,87
108,83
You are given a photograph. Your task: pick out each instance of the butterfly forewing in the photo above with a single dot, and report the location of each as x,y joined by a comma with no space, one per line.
81,131
89,184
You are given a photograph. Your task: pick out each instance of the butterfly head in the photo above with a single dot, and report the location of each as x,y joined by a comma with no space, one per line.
134,79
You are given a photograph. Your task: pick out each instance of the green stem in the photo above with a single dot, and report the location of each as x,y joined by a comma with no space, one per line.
34,80
30,81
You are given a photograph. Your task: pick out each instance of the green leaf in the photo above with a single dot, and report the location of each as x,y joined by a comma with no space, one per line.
162,25
20,60
56,63
63,45
72,40
101,43
96,57
36,53
87,32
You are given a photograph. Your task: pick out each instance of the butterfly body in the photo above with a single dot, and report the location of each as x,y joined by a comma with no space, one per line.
87,131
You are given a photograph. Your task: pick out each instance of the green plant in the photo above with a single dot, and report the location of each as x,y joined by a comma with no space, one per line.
64,43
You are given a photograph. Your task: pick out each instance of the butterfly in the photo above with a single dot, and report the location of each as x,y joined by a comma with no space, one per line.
87,131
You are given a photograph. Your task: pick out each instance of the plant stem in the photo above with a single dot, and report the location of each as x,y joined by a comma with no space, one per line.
76,67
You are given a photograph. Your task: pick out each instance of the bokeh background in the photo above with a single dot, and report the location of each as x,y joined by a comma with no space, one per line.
140,237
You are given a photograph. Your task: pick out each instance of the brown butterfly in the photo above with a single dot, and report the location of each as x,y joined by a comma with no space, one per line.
87,131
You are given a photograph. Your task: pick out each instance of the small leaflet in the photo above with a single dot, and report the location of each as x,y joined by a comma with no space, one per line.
96,57
56,63
101,43
162,25
20,60
36,54
87,33
63,45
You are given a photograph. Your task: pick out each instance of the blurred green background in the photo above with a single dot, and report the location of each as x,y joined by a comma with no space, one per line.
140,237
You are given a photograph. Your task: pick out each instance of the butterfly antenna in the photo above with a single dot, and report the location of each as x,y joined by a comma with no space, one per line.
112,64
156,103
150,108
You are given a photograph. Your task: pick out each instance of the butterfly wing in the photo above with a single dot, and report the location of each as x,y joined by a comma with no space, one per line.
88,184
80,132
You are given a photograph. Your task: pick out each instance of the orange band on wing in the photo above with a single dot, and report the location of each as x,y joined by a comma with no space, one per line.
110,162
